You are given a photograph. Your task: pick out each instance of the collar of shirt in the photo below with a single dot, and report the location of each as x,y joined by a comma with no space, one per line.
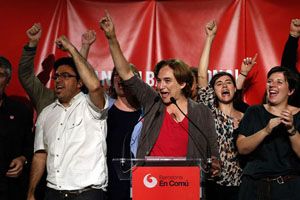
75,99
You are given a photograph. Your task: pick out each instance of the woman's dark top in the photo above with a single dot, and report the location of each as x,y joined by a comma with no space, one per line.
120,124
274,156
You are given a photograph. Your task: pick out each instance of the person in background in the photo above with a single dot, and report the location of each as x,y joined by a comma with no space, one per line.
71,133
16,140
39,94
289,57
218,95
123,114
194,89
269,135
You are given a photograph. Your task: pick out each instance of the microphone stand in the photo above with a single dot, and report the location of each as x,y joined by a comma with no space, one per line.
208,150
123,159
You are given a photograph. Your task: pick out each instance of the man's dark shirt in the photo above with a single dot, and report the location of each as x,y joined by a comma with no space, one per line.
16,138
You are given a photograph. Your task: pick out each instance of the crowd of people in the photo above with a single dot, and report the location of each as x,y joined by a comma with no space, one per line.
254,151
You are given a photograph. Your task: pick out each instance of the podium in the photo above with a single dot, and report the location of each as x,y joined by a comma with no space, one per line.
161,178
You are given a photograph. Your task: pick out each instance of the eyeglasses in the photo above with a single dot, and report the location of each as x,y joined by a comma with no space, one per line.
63,76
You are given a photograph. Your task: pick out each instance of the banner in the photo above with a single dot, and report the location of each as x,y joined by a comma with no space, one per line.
149,31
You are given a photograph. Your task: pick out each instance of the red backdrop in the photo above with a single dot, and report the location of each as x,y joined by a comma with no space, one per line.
149,31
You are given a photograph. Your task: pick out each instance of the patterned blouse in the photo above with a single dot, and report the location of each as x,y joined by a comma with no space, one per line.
230,170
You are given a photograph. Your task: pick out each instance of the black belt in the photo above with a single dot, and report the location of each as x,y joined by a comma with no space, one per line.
280,179
67,193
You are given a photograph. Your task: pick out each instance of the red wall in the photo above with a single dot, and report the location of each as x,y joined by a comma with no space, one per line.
149,31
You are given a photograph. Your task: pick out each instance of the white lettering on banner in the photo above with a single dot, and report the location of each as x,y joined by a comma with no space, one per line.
170,177
105,77
165,181
148,76
234,74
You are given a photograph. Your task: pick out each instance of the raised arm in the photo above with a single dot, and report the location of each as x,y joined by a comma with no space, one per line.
119,60
246,67
86,72
211,30
34,34
39,94
87,39
289,55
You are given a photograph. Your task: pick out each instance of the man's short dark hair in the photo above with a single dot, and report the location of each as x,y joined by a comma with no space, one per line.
70,62
66,61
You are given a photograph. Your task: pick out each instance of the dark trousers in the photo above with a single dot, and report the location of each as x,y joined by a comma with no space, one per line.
92,194
13,188
253,189
215,191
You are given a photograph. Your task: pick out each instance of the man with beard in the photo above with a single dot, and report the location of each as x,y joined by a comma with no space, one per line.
70,133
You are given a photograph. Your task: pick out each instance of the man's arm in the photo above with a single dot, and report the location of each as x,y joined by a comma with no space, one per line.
40,95
289,55
122,65
86,72
36,172
211,30
16,167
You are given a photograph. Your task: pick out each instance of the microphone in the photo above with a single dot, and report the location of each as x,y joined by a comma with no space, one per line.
208,150
156,99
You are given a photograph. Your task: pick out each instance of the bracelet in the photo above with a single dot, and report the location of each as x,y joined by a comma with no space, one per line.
243,74
293,132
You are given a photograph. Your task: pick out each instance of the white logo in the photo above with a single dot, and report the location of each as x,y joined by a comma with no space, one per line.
150,182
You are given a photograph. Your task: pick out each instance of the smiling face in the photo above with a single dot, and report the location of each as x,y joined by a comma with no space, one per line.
66,87
224,89
278,89
167,85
